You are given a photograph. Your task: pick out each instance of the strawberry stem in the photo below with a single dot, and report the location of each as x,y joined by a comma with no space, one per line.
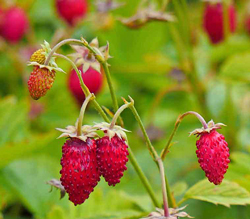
82,111
99,58
151,149
84,87
118,112
164,191
177,123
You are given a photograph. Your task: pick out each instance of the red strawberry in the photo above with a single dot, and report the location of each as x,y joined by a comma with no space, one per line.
71,10
247,24
79,173
213,154
40,81
1,18
14,24
112,158
92,79
213,21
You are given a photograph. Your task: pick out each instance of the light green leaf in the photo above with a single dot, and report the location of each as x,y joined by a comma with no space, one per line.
9,152
236,68
228,193
13,120
179,188
218,90
57,212
27,178
239,169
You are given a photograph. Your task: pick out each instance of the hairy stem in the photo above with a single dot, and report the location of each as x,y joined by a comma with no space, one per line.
177,123
82,111
152,151
164,191
84,87
118,112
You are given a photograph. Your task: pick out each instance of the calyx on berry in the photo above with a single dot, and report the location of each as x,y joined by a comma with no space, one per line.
39,57
175,213
83,55
210,126
79,131
111,129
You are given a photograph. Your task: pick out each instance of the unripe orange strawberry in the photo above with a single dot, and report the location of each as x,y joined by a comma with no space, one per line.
44,71
40,81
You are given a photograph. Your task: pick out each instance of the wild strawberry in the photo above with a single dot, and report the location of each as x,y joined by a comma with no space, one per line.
79,173
213,21
247,22
1,18
212,152
72,10
14,24
40,81
112,156
112,149
91,78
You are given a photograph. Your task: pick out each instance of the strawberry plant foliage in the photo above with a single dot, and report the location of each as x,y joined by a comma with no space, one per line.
86,156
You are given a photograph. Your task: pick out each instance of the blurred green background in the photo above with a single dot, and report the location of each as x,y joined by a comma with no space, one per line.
146,65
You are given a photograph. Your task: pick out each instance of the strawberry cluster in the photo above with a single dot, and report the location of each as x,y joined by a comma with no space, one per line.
87,157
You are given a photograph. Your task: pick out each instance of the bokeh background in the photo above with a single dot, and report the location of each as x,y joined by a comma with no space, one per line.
167,67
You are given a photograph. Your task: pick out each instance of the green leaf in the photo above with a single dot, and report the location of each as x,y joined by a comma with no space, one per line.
218,90
57,212
239,169
236,68
228,193
13,120
228,48
9,152
27,178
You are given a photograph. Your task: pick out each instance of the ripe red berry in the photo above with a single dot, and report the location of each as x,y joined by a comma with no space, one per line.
79,173
91,78
71,10
14,24
213,154
112,156
40,81
247,24
213,21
